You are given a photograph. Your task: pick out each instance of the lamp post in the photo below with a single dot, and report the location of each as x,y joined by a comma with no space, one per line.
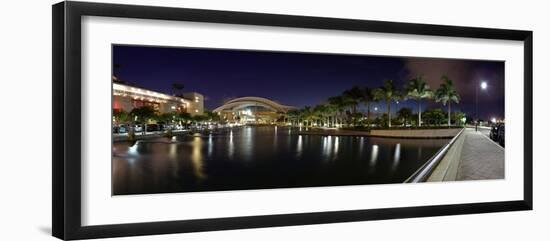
483,86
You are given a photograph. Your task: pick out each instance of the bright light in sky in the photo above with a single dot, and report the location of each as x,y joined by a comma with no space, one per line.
483,85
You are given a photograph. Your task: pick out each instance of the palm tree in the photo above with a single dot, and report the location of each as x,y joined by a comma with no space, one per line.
330,111
418,90
177,88
306,115
293,116
367,97
322,112
387,93
447,94
339,104
353,97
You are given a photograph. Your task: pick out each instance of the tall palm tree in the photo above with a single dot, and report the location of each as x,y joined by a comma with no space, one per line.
447,94
330,111
367,97
353,97
339,104
388,93
318,114
306,115
293,116
418,89
177,88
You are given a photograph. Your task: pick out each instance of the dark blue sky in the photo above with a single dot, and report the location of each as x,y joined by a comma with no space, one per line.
302,79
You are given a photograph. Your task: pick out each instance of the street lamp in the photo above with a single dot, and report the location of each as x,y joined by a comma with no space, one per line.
483,86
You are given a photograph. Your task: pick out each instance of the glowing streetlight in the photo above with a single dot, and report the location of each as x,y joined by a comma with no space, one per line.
494,120
483,86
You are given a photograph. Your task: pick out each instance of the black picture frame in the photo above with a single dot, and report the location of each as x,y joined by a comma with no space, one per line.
66,138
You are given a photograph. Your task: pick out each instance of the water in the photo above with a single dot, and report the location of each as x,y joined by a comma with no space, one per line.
263,157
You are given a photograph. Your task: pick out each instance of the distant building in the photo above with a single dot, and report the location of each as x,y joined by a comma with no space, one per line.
126,97
252,109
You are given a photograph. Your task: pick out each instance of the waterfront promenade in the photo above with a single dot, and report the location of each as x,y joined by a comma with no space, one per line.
481,158
472,157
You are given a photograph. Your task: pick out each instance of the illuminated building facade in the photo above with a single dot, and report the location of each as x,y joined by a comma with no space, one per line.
126,97
252,109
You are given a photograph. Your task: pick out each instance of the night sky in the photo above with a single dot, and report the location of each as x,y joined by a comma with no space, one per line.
303,79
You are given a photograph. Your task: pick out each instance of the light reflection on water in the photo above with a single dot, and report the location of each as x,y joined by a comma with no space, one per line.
263,157
299,146
196,157
396,156
374,155
231,147
210,145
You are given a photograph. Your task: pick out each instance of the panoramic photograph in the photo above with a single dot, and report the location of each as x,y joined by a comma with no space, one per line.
205,119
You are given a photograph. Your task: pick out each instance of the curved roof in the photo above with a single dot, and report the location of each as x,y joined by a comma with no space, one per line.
242,102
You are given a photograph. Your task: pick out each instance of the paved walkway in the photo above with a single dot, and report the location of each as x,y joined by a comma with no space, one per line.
481,158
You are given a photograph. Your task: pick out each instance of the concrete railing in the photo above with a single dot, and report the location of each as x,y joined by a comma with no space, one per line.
424,172
417,133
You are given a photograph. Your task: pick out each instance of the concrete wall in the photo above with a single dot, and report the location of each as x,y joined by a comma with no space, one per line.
412,133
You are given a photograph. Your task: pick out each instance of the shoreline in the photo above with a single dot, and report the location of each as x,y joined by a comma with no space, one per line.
440,133
436,133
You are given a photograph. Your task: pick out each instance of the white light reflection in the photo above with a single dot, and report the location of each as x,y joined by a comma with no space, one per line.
396,156
210,145
247,143
336,141
275,139
231,147
325,148
374,155
133,151
299,146
329,146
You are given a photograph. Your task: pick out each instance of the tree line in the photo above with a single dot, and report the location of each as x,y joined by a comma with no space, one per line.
342,110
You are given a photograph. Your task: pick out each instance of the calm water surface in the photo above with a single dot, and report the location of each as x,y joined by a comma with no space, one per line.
263,157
